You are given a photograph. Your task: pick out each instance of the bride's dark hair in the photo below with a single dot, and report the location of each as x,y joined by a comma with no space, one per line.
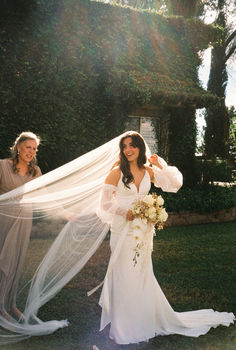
137,141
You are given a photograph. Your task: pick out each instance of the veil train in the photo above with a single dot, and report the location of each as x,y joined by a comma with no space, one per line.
73,187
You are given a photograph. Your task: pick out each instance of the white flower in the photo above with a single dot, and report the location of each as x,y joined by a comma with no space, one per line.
151,211
153,216
148,199
160,200
163,216
147,213
136,210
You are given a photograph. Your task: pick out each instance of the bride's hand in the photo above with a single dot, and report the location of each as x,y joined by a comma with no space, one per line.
69,215
129,215
154,160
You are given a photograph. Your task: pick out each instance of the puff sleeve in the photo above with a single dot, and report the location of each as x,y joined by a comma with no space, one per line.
169,178
108,206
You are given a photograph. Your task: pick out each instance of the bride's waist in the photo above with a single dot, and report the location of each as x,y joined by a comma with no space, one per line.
128,200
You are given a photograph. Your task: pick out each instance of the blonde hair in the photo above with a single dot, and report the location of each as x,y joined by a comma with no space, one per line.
24,136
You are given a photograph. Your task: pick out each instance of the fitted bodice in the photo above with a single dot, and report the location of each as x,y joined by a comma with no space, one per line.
125,196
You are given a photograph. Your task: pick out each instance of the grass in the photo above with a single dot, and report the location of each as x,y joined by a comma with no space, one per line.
195,267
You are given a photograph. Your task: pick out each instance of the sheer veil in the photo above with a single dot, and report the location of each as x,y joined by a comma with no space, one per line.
50,199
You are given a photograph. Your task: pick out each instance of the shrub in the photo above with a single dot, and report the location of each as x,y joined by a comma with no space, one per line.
200,199
216,169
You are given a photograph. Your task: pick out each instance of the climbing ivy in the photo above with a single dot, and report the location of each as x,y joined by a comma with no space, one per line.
72,70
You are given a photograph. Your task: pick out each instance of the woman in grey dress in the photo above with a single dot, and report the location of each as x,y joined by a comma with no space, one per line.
14,230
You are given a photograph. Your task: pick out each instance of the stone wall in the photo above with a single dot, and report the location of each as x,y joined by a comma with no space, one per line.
50,228
190,218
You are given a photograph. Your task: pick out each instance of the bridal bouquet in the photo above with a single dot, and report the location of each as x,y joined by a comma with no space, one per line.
148,213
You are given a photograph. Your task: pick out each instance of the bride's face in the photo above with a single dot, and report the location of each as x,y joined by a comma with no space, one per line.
130,151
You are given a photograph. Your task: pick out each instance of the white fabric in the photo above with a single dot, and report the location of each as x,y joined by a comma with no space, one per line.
108,207
169,178
49,200
72,189
131,299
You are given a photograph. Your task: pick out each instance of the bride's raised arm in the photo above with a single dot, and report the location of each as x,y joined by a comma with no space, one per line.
168,178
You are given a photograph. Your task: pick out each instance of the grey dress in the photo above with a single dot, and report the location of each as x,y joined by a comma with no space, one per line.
14,237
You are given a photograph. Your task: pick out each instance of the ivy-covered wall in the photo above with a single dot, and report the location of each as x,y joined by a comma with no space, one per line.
72,70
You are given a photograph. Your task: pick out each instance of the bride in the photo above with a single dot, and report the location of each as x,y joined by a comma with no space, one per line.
132,301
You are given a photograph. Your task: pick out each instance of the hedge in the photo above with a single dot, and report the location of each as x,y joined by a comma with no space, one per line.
201,199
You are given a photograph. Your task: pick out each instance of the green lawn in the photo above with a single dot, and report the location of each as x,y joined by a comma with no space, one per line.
195,267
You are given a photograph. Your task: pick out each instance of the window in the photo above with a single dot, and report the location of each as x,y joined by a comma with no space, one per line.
143,125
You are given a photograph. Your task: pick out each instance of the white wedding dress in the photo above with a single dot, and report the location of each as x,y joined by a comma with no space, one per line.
132,300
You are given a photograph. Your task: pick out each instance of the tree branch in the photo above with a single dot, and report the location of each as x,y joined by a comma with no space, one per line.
231,51
230,38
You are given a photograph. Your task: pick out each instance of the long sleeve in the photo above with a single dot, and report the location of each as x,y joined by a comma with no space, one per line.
169,178
108,206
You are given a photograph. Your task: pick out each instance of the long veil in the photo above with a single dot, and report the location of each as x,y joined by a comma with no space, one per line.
71,190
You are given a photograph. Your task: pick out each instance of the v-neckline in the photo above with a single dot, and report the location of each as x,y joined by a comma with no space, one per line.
138,188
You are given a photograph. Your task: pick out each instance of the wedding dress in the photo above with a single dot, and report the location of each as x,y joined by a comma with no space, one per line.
132,300
76,187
